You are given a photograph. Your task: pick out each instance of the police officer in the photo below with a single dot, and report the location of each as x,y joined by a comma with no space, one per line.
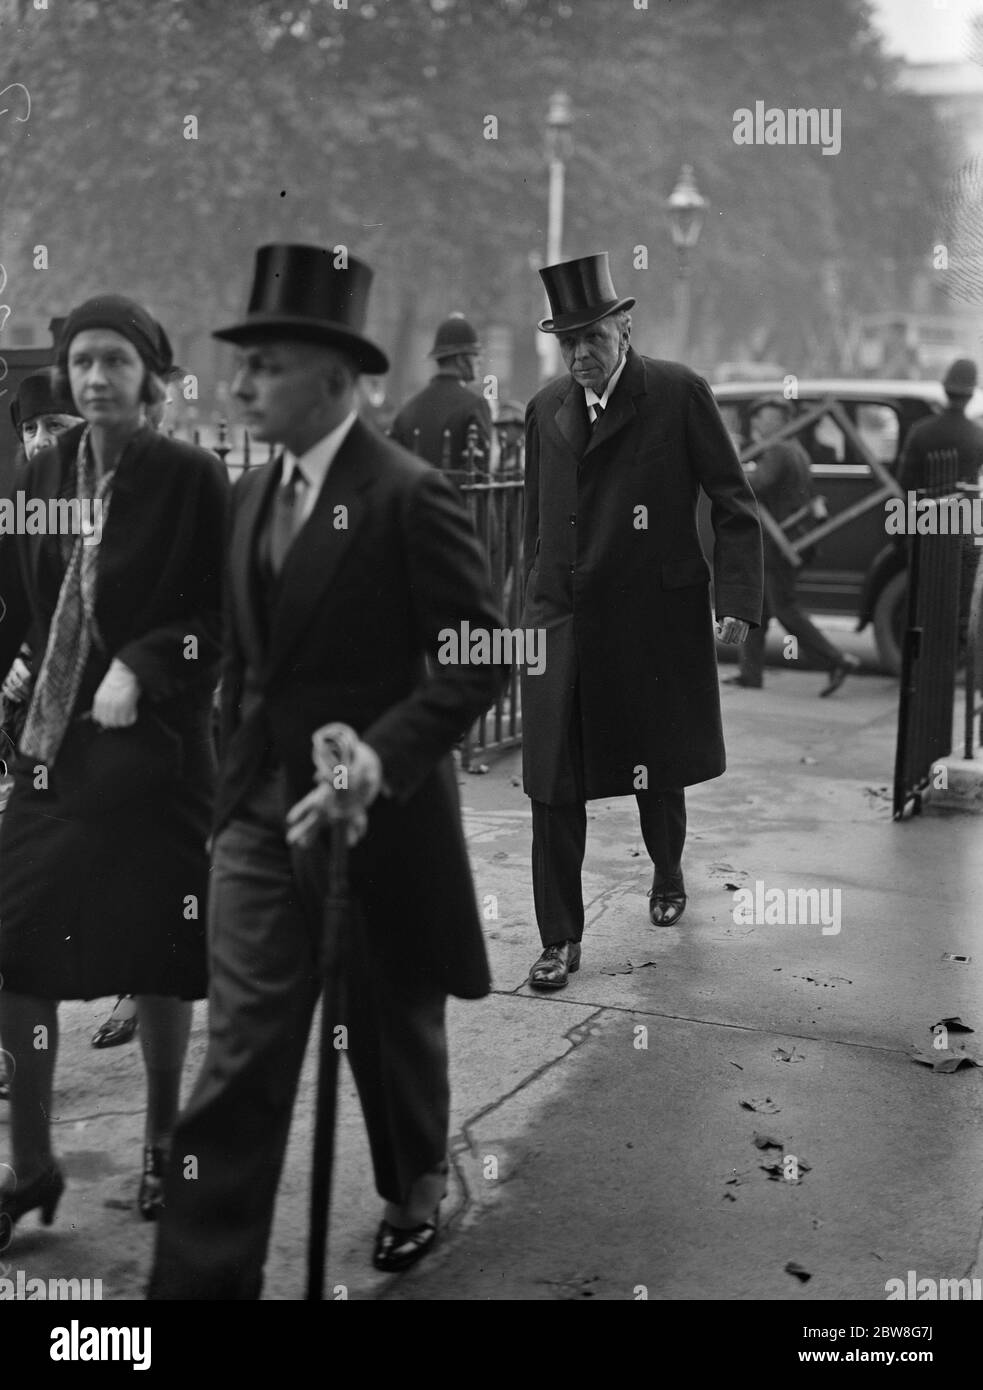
435,422
949,430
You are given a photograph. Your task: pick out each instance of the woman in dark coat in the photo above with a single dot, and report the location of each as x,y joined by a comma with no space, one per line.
103,844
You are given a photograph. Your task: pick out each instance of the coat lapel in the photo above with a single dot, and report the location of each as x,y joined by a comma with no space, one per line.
571,418
321,544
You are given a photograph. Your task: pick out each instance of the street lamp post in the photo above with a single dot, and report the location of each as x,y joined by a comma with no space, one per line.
686,209
559,147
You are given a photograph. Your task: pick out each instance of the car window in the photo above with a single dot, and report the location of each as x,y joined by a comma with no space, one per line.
879,428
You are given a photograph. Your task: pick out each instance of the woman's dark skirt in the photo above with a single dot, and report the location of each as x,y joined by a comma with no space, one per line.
112,902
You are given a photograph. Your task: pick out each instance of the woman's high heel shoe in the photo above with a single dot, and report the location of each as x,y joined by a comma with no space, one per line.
151,1196
16,1201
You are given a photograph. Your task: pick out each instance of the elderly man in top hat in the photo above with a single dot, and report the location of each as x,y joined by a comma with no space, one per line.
628,703
347,557
435,422
949,430
783,484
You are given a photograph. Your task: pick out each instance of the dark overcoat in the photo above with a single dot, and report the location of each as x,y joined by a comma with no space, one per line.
618,582
445,405
948,430
103,862
386,563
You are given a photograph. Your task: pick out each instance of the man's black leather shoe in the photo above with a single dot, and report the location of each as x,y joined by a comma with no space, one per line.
743,681
666,906
396,1249
846,665
554,967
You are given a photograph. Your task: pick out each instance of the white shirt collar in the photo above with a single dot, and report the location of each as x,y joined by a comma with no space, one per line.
314,464
593,398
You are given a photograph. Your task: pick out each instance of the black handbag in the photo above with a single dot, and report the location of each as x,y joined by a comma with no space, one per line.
99,770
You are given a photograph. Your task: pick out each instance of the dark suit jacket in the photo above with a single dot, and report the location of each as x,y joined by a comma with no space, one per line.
386,562
445,404
618,581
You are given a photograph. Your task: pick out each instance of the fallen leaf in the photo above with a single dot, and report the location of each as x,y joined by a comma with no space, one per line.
630,969
954,1025
949,1059
764,1107
801,1274
765,1141
729,1197
731,887
781,1054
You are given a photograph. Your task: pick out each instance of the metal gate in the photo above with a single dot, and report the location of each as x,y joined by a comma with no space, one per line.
930,650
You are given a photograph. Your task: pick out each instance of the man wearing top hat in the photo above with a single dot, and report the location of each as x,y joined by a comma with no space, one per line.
435,422
347,557
949,430
628,703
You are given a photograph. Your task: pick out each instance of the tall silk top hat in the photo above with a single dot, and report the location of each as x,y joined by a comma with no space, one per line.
299,292
453,336
580,292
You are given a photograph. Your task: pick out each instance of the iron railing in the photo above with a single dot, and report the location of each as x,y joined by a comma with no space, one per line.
493,487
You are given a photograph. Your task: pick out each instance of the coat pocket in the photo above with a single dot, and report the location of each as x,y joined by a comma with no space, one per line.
679,574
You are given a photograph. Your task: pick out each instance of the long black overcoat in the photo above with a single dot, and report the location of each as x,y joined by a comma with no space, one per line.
386,563
618,582
104,868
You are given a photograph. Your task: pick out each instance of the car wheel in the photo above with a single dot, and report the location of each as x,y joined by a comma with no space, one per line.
889,622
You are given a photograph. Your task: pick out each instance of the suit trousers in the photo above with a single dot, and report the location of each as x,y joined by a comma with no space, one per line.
559,839
781,602
265,912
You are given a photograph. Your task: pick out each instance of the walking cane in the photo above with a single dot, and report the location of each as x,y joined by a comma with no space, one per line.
334,749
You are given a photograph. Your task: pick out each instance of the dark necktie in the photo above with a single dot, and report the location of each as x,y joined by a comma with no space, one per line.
288,506
598,415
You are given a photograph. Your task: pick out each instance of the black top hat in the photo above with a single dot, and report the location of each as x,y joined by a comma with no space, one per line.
454,335
299,292
580,292
960,379
36,395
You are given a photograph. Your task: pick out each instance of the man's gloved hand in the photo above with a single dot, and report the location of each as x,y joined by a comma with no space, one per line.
733,631
345,791
17,685
115,703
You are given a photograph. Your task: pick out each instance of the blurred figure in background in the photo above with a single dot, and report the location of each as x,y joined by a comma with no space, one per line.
782,482
949,430
435,422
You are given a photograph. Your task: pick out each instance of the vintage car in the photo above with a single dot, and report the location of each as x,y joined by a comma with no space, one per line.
853,431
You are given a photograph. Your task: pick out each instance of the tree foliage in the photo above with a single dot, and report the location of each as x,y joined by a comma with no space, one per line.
366,124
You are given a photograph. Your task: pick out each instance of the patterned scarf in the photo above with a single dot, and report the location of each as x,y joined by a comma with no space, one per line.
73,627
